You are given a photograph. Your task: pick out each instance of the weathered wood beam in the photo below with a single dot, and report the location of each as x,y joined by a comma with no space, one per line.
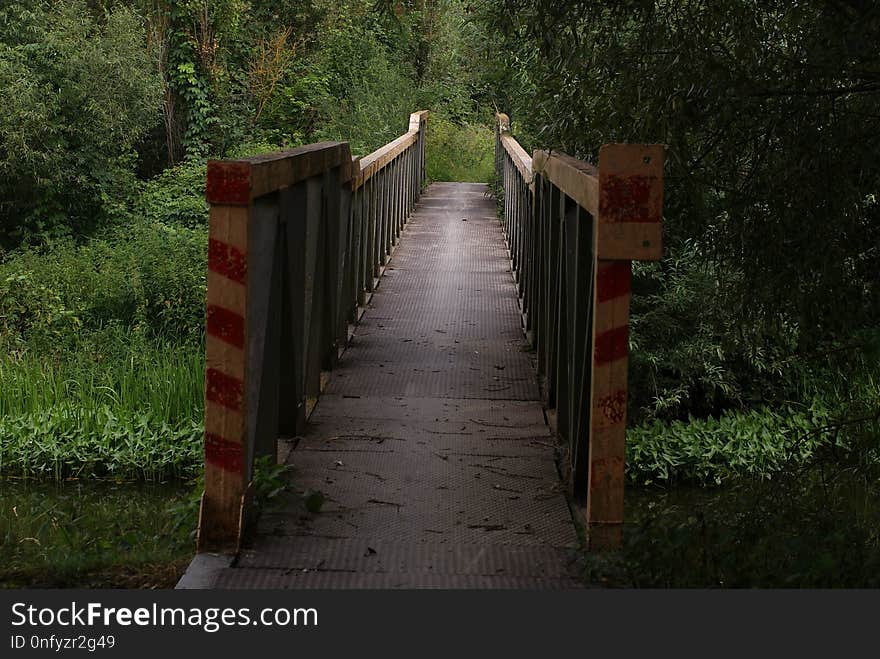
226,368
521,160
238,182
371,164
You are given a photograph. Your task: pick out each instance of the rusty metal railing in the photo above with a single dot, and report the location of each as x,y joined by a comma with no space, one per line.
297,240
572,230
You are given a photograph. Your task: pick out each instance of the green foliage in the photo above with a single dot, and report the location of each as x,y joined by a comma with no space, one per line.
150,277
116,405
101,355
713,451
689,353
758,103
314,500
177,196
269,480
369,94
79,94
829,402
459,152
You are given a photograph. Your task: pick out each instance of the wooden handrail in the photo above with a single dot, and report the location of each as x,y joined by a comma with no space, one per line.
577,179
370,164
239,182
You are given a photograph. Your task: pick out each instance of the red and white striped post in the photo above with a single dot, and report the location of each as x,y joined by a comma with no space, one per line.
628,227
226,368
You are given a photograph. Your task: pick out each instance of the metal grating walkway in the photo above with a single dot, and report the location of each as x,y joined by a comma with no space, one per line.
429,442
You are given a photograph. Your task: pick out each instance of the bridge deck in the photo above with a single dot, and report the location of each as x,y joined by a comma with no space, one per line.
429,443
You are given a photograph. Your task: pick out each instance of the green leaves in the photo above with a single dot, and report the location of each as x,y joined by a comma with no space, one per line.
760,444
63,441
80,94
459,152
757,102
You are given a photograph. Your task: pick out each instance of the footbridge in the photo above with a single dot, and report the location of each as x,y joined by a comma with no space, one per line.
441,366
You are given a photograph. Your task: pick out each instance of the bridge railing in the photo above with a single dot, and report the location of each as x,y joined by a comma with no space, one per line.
297,240
573,229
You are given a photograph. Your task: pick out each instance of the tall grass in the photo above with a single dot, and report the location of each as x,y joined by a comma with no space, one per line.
130,410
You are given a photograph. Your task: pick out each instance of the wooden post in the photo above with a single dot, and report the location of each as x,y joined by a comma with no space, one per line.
627,227
220,518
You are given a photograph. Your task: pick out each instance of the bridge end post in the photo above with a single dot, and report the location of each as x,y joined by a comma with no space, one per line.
224,501
628,227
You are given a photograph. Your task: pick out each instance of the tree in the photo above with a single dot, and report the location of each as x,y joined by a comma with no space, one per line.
769,111
79,94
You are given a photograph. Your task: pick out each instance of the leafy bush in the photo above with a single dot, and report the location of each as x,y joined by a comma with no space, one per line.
143,276
370,94
749,97
79,94
115,403
832,402
689,354
711,451
459,152
60,442
177,196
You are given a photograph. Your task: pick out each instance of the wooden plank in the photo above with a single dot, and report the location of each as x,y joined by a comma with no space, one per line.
521,160
608,406
238,182
577,179
637,241
630,192
371,164
417,120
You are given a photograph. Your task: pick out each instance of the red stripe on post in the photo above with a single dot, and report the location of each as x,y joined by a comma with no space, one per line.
228,183
223,389
227,260
223,453
611,345
226,325
628,199
613,279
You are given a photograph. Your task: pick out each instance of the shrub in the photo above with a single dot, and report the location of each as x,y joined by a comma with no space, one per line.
459,152
79,94
177,196
142,276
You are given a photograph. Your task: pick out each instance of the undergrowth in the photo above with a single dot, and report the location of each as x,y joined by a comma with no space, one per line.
459,151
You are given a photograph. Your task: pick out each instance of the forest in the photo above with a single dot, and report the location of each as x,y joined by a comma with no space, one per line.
753,444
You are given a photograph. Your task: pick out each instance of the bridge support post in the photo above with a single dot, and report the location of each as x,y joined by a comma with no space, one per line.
226,364
627,228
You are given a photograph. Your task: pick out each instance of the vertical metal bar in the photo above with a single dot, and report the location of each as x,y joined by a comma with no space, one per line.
552,291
